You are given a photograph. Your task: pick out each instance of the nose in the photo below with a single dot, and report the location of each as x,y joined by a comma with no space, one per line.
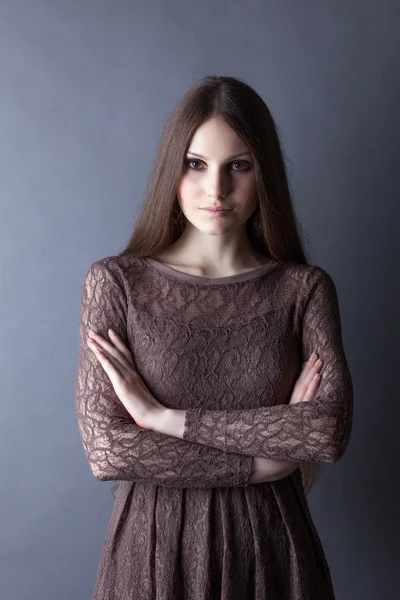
217,185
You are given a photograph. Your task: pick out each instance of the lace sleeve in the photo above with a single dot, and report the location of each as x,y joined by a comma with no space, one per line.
114,446
314,431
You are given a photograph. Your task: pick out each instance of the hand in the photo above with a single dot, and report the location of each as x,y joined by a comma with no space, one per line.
118,363
266,469
308,381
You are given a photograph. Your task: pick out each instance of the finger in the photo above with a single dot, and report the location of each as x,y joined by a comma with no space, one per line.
309,374
304,390
310,360
99,341
116,340
101,353
312,388
110,365
127,373
120,347
307,365
116,376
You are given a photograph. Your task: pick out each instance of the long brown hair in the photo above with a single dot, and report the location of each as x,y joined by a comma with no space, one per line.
273,228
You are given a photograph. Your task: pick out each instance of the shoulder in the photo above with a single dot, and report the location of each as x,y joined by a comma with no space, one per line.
319,292
305,274
117,267
305,281
319,278
118,273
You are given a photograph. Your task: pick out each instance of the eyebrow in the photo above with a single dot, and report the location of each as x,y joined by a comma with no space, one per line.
228,159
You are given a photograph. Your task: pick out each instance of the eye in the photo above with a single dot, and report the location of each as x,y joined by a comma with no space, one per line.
192,160
243,162
246,165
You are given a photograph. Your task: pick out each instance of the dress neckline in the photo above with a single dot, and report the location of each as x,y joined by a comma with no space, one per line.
189,277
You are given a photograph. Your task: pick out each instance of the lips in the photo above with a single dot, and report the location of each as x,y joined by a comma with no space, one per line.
214,211
216,208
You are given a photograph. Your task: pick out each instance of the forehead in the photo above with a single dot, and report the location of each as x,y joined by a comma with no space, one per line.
214,139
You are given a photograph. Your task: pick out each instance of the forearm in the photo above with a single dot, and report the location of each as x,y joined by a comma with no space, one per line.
124,451
172,421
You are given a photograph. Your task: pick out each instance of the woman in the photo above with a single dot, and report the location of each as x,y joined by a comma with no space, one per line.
197,388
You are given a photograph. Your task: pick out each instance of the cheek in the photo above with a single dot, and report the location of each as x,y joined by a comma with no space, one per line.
247,189
188,189
248,183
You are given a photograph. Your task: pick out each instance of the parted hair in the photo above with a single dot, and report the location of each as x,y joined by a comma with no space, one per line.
273,228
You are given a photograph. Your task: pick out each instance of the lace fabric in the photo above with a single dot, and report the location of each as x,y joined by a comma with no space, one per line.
229,353
115,447
314,431
186,522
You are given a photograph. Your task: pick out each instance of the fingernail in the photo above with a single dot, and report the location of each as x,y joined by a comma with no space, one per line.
313,355
110,331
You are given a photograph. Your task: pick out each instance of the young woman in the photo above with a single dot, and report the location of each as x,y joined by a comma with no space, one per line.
212,379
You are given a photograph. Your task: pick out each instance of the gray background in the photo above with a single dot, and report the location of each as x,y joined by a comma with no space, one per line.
85,88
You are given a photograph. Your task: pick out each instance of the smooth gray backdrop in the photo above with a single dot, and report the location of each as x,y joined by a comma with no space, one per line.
85,88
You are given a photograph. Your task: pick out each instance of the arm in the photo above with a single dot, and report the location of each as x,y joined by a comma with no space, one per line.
314,431
114,446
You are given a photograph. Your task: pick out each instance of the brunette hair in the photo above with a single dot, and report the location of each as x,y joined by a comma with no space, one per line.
273,228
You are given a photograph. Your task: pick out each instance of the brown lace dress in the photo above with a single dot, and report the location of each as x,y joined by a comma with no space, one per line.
186,525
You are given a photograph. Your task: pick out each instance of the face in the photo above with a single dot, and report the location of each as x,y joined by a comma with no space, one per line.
218,171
